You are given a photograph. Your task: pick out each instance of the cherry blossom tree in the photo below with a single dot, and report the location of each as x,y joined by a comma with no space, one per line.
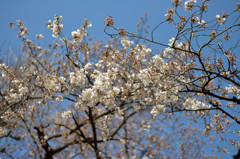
83,98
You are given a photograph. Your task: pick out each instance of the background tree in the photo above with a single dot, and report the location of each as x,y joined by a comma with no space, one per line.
82,98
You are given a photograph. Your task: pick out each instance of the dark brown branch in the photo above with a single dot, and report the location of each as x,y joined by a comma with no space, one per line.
81,133
237,156
92,121
126,138
47,148
223,111
123,123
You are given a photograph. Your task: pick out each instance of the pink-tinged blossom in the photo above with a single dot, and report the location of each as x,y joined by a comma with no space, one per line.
109,21
122,32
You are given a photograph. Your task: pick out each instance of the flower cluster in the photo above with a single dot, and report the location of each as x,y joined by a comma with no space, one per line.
77,78
232,89
238,6
194,104
204,7
202,23
142,51
67,114
23,90
122,32
195,19
189,4
176,2
59,98
183,46
4,69
109,21
18,92
56,27
170,14
51,84
145,77
103,81
126,43
89,96
213,34
167,51
220,62
172,42
81,32
157,60
221,19
86,24
22,30
157,109
39,36
2,131
79,35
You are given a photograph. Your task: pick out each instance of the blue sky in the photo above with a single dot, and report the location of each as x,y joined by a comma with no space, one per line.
36,13
126,13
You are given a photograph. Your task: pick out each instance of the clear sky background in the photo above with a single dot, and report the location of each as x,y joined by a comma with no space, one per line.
126,13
